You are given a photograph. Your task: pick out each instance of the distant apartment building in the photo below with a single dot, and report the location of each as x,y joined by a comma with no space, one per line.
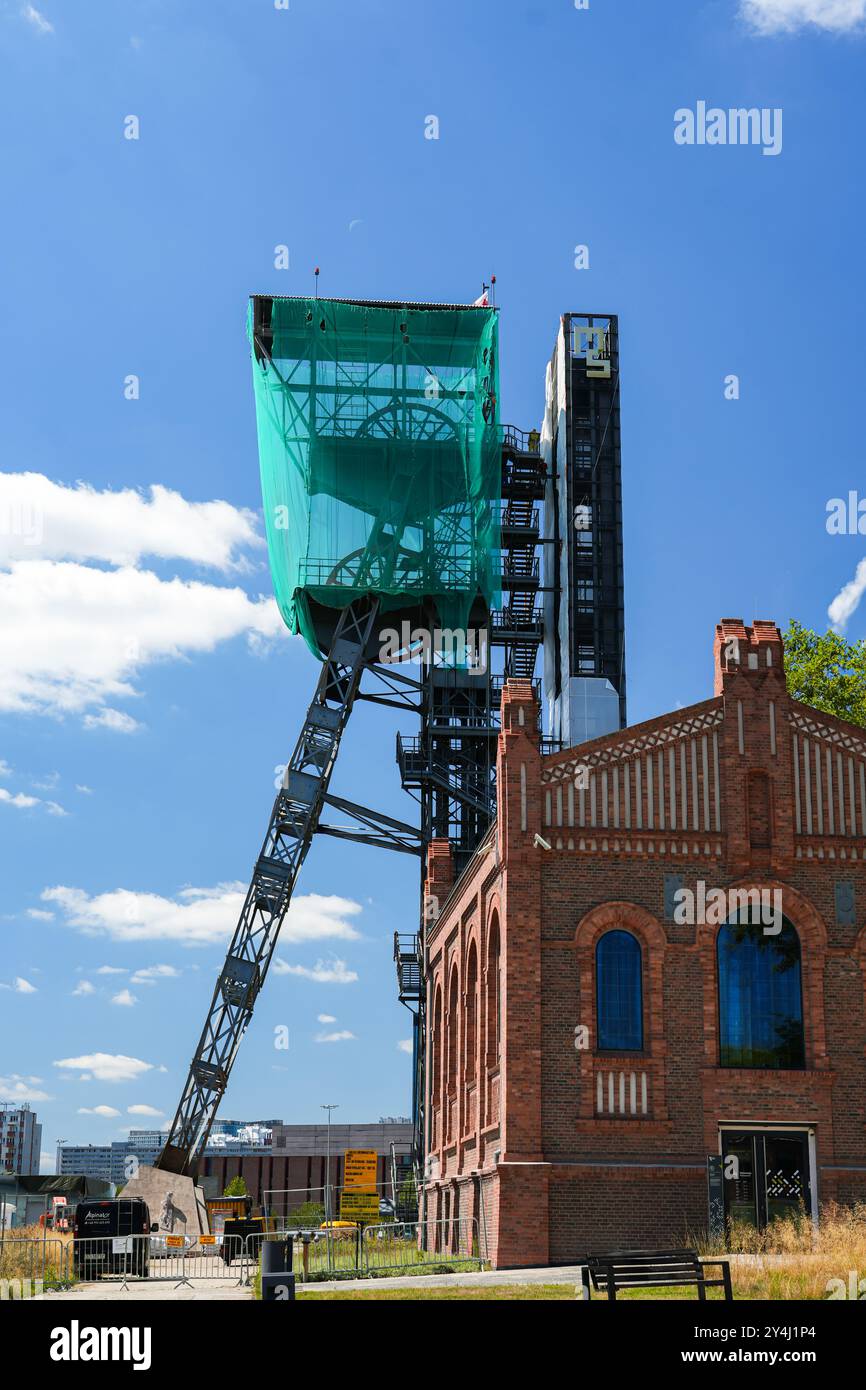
20,1139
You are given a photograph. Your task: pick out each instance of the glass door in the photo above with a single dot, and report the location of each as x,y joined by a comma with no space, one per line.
786,1175
766,1175
741,1196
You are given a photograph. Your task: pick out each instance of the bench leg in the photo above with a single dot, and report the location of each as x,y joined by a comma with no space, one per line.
726,1275
585,1293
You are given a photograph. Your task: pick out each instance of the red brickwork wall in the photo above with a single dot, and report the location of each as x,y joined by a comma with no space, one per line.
578,1149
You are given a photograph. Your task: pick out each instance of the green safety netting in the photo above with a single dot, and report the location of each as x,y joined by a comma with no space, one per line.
378,433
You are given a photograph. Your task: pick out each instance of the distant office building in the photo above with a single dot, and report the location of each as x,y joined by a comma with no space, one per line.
20,1139
266,1153
296,1161
116,1162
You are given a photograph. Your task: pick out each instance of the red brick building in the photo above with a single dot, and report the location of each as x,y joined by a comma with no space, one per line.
596,1032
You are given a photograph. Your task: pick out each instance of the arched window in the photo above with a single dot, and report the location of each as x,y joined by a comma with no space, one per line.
494,995
436,1049
453,1005
471,1013
760,997
619,992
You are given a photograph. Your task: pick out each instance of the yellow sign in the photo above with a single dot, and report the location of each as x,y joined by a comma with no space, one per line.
174,1242
207,1240
359,1206
360,1170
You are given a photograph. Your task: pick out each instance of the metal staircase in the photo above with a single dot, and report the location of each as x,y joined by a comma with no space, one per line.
451,766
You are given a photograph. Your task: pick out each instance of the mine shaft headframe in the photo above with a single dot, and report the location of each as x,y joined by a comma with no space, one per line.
293,823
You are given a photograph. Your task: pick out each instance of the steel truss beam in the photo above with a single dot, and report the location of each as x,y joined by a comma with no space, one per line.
294,820
374,828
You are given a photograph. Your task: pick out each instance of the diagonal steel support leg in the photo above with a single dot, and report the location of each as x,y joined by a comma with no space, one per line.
294,820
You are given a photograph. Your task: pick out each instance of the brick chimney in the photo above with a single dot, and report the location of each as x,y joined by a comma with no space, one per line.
754,747
518,769
747,651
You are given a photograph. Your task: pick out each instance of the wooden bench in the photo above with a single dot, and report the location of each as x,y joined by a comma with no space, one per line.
651,1269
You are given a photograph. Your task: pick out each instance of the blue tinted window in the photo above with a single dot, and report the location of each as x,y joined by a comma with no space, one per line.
619,994
760,997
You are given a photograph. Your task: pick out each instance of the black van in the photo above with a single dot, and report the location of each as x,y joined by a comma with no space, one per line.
101,1243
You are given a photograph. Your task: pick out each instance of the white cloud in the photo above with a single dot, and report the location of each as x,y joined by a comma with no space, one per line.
23,986
404,1045
785,16
84,988
22,1088
332,972
47,784
85,791
114,719
125,999
50,521
107,1112
25,803
39,22
152,973
847,601
75,637
344,1036
326,1018
197,916
112,970
107,1066
22,802
39,915
144,1110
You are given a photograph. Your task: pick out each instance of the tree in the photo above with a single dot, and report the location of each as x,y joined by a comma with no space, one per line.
236,1188
308,1214
827,672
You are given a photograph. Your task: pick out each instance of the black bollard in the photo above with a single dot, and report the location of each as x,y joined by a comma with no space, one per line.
278,1281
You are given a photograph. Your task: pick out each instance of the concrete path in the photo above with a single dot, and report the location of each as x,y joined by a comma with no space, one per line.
108,1291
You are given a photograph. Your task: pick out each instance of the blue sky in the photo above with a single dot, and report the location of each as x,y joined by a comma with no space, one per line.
147,693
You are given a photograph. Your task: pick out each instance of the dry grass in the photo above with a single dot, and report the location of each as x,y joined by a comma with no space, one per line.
34,1259
791,1259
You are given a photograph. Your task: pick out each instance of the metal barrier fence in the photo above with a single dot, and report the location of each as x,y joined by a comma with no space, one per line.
401,1246
348,1252
31,1261
176,1259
